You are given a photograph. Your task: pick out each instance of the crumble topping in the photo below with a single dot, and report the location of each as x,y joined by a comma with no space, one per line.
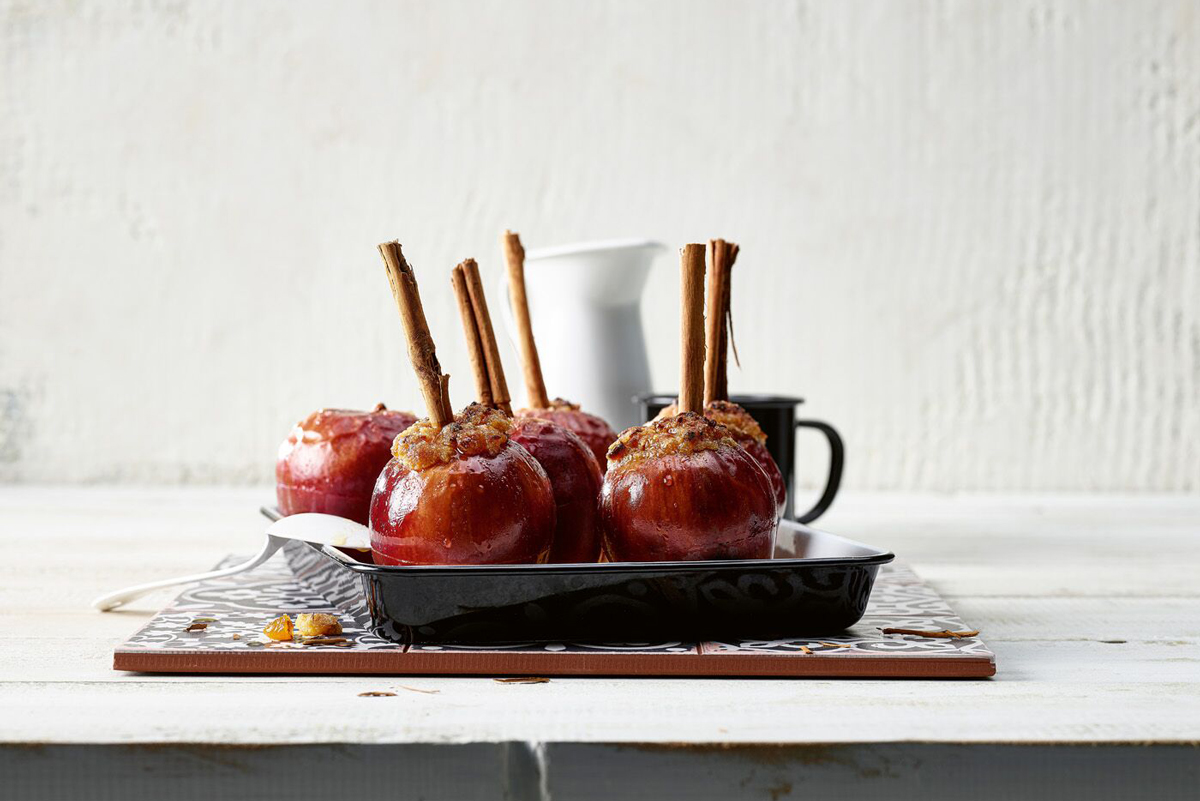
474,431
728,414
556,405
736,419
680,434
317,624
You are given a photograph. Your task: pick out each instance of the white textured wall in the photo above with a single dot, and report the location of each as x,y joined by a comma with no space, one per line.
971,231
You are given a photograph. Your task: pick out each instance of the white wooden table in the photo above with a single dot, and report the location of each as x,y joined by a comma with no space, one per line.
1091,603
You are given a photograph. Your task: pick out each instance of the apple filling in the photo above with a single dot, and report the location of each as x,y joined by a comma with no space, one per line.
730,415
682,434
476,430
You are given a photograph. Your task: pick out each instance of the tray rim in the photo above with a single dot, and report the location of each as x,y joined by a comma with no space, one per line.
878,557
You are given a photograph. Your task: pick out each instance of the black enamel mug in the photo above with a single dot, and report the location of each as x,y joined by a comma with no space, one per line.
777,416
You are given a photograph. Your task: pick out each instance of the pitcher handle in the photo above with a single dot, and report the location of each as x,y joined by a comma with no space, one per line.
837,459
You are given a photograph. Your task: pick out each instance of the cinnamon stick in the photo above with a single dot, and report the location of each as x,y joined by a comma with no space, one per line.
714,320
483,385
730,339
421,350
943,633
721,255
691,339
514,257
487,337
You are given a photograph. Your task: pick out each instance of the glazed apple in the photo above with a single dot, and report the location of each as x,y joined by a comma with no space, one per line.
575,480
746,431
682,489
462,494
330,460
595,433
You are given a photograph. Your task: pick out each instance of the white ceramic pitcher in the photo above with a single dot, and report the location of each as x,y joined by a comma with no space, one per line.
585,307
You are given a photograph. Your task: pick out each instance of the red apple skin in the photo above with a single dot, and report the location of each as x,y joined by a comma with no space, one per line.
471,510
747,433
595,433
576,481
330,460
762,457
710,504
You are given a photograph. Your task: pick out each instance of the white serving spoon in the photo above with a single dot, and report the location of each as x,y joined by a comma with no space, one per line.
315,528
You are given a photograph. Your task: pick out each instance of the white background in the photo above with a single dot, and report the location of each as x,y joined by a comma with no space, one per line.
971,231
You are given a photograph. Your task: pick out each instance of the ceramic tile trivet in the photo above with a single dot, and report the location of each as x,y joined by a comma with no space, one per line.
236,609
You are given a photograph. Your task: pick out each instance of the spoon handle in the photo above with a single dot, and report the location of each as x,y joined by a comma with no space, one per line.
111,601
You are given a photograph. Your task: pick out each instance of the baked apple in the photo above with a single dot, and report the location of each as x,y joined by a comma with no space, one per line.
330,460
746,431
575,480
595,433
682,489
462,494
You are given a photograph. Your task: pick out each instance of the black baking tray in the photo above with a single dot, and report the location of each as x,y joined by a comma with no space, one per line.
817,584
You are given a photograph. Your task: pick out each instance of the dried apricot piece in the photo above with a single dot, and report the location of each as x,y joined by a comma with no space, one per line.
317,624
280,628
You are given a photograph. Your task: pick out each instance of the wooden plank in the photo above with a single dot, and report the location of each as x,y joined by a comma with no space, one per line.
535,772
146,772
898,772
1058,619
1049,580
203,709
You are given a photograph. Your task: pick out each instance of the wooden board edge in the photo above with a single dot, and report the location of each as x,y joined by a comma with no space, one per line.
492,663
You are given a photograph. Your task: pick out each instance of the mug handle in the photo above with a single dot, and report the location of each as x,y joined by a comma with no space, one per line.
837,458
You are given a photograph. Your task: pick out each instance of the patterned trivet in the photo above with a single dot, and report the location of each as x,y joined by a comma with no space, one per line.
227,618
